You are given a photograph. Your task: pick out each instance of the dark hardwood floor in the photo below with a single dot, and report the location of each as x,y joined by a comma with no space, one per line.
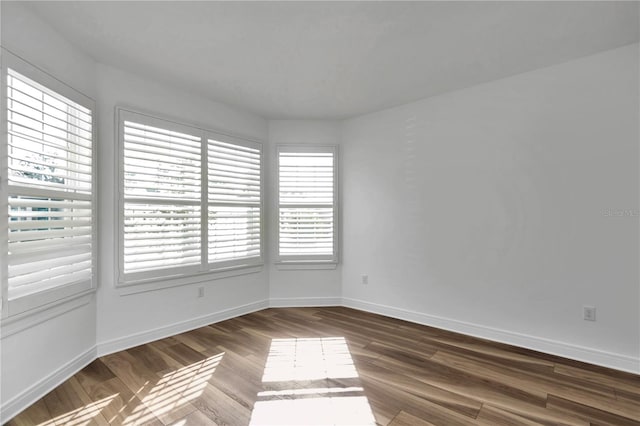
304,366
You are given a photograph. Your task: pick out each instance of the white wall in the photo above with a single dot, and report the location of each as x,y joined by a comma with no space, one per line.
124,320
298,287
484,210
31,38
35,349
480,210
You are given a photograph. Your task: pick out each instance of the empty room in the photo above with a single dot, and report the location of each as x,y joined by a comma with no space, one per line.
320,213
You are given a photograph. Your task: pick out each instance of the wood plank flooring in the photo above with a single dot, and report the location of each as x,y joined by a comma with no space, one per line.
299,366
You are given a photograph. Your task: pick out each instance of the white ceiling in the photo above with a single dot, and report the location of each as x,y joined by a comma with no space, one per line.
336,59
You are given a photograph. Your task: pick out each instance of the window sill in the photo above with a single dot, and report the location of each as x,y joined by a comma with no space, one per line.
133,287
29,318
45,298
294,265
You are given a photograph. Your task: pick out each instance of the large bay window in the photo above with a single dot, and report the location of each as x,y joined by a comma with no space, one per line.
48,187
307,198
191,200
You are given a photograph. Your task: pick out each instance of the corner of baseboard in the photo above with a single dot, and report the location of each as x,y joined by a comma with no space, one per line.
18,403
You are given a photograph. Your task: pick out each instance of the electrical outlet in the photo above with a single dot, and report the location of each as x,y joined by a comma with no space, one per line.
589,313
200,291
365,279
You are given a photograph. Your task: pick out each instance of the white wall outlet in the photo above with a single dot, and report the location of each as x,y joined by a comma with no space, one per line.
365,279
589,313
200,291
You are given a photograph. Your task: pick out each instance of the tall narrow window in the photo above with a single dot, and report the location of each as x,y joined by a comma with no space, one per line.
49,188
191,200
307,204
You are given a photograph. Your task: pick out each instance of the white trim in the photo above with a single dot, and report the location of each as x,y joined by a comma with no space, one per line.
46,298
159,284
136,339
309,265
23,400
548,346
16,323
304,302
18,403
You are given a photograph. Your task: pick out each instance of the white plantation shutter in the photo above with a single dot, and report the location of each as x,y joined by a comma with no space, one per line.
190,200
162,190
306,201
234,200
50,188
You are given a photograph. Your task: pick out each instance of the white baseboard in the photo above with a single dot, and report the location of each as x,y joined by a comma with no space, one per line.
303,302
18,403
553,347
36,391
141,338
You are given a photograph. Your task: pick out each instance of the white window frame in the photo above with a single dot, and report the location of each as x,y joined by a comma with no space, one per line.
170,277
309,261
14,306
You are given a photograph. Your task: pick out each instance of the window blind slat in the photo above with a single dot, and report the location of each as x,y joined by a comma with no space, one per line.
31,257
175,162
54,142
165,133
149,140
40,224
231,147
141,151
17,269
54,278
25,247
146,172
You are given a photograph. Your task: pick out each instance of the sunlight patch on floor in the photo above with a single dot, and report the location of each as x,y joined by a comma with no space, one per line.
309,359
81,416
350,410
181,386
294,363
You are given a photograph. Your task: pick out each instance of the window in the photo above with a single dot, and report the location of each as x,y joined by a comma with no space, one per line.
49,177
233,201
191,200
307,204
